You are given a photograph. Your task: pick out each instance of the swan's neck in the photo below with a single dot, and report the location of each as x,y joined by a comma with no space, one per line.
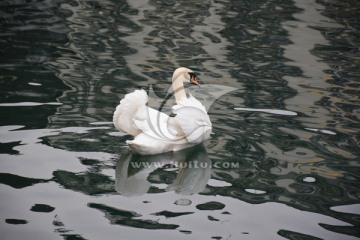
178,88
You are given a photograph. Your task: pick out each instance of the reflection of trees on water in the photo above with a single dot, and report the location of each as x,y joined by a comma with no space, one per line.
240,44
287,183
92,53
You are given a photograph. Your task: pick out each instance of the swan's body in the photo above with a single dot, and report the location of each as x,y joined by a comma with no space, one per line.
156,132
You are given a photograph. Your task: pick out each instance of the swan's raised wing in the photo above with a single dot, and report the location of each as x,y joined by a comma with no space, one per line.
127,110
133,116
192,118
158,125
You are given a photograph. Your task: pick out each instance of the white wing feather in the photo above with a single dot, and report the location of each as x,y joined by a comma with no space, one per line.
192,117
127,110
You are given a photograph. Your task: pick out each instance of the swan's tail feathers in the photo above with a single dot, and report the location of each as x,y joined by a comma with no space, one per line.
127,110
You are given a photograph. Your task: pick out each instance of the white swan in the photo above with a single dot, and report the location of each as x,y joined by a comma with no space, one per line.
156,132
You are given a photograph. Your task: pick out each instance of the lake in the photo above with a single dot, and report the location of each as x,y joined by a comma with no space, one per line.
280,80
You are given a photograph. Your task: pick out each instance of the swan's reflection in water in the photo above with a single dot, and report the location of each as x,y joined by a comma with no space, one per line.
194,171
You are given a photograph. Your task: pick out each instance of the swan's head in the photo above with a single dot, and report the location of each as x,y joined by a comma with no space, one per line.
185,75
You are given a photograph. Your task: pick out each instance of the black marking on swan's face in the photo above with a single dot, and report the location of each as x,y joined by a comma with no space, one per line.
193,79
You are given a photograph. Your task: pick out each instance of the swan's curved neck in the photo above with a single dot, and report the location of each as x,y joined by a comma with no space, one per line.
178,88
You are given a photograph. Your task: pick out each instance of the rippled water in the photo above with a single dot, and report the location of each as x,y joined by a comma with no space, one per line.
283,162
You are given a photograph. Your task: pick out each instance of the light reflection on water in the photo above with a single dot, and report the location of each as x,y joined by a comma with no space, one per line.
288,119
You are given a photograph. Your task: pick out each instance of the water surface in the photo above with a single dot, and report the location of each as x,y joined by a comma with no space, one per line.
283,159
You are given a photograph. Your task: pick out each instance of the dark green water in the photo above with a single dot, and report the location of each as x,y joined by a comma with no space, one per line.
66,173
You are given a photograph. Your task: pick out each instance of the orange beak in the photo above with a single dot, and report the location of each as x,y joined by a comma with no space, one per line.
193,80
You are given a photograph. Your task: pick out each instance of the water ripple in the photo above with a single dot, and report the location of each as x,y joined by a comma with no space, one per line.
285,137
